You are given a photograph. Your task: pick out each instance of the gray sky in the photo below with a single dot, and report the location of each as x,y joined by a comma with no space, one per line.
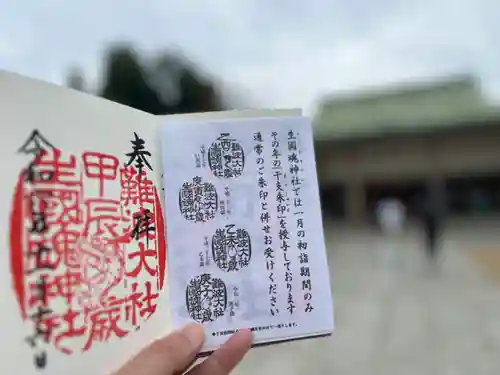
278,53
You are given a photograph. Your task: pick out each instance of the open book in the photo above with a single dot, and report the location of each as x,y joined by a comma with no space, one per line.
120,227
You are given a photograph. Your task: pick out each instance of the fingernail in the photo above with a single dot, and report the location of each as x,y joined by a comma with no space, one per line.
194,333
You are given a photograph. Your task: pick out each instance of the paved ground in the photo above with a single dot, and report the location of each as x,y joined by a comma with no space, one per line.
397,315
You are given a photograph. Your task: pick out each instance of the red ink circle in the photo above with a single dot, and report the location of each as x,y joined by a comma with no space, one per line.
84,268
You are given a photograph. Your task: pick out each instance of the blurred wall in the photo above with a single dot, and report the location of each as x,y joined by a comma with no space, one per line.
406,159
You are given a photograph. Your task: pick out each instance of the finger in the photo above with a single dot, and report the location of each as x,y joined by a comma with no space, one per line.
224,359
169,355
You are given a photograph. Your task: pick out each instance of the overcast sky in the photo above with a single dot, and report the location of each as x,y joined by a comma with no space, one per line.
278,53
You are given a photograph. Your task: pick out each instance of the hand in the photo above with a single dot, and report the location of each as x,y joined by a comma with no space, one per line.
174,354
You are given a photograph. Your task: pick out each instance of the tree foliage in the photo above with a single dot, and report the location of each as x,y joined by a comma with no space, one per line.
165,84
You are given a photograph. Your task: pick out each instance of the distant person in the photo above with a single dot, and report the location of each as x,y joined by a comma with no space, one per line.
432,223
391,215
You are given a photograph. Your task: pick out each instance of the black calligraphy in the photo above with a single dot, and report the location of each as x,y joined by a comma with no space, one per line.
35,144
234,304
225,203
200,157
226,157
206,298
205,256
139,155
294,169
282,210
143,226
40,256
231,248
265,218
198,200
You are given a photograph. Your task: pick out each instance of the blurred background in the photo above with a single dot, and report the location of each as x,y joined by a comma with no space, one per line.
405,98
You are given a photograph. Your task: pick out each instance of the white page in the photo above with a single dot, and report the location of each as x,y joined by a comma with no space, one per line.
78,125
240,298
75,123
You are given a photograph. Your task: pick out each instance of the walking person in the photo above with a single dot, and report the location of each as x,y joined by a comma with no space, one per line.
432,223
390,214
431,228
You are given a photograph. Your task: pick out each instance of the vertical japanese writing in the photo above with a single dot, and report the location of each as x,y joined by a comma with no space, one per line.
73,248
203,152
198,200
226,158
227,195
282,215
138,196
39,256
296,180
225,202
236,301
265,218
205,256
200,157
206,298
231,248
139,155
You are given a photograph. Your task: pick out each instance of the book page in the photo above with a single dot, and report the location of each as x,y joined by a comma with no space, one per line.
246,247
83,282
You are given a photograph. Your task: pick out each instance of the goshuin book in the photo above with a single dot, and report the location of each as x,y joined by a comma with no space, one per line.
120,227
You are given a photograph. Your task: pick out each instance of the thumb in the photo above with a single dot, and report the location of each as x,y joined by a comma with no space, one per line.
167,356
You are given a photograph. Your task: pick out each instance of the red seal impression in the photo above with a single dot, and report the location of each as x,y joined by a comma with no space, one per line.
87,246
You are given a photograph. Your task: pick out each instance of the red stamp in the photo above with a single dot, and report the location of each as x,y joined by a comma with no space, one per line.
87,246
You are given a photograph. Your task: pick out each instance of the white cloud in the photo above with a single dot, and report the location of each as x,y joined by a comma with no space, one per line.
430,38
282,53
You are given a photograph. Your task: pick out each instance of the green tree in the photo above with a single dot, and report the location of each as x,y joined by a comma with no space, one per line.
182,85
196,95
125,82
166,84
